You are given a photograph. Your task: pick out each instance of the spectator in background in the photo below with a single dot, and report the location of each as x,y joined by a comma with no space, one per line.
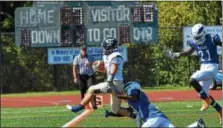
83,73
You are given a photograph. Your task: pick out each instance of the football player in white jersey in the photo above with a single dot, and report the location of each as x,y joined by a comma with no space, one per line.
113,62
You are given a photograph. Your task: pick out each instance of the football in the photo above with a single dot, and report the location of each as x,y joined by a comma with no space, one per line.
99,66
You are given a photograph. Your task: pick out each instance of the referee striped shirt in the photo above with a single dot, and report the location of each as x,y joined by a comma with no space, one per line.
83,66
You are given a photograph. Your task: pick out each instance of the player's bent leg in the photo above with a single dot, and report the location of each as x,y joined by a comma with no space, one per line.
90,82
116,108
87,98
91,91
107,114
217,107
124,111
194,82
203,95
116,102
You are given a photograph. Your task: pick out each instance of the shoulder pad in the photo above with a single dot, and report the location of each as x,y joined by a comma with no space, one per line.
113,55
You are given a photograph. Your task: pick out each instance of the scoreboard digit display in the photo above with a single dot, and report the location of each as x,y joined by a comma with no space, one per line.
65,15
66,36
124,34
72,29
63,24
136,14
148,13
25,37
77,16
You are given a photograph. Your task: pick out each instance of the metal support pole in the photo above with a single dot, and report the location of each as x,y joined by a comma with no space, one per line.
55,77
1,54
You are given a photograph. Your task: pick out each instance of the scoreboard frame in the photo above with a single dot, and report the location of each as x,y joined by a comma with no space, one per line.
76,23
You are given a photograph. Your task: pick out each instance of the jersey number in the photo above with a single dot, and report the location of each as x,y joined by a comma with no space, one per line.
204,55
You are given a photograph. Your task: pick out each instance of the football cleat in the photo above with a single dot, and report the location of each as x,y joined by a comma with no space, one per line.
197,124
75,108
205,104
106,113
200,123
69,107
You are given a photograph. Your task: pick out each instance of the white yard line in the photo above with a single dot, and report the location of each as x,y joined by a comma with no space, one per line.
39,101
49,111
77,119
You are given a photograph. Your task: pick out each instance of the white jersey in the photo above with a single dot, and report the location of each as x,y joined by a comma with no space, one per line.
114,58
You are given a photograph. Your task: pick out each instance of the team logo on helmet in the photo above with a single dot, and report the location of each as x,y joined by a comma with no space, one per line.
109,45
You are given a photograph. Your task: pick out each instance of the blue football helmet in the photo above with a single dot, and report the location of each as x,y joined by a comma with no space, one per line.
130,86
109,45
198,33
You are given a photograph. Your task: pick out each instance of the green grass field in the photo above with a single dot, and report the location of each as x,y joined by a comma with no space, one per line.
180,113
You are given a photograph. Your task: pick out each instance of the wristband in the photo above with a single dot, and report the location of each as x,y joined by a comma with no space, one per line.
110,78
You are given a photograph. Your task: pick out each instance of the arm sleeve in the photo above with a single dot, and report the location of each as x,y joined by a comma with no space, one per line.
217,40
75,62
117,60
192,45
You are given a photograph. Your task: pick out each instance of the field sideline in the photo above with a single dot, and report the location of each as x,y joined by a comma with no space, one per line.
51,93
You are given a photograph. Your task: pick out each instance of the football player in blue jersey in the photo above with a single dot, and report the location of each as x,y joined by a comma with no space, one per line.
206,47
145,111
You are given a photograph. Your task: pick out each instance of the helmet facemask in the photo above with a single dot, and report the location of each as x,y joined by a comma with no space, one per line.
109,46
199,39
198,33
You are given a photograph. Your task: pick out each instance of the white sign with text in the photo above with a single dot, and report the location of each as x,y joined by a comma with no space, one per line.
66,55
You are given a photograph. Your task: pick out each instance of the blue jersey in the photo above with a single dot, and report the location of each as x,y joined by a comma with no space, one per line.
207,51
143,107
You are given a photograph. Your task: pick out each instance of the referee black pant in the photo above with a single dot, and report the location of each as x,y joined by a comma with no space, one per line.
85,82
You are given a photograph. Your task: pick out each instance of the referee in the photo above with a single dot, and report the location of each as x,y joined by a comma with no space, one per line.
83,72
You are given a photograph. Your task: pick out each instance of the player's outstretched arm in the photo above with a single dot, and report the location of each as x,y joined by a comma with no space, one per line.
173,55
186,53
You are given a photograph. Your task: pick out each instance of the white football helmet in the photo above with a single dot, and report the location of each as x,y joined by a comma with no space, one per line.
198,33
131,85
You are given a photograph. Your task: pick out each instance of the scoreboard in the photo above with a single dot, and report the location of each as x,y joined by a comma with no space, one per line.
77,23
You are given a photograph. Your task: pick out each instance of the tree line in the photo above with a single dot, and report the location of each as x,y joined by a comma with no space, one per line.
26,69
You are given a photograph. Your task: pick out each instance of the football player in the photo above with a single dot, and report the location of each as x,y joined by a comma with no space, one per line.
206,47
147,112
113,62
